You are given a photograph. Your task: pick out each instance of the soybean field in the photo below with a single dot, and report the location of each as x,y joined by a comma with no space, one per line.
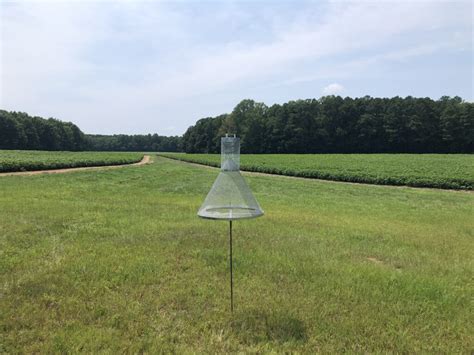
446,171
28,160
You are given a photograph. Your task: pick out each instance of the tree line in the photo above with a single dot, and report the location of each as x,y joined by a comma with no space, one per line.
132,143
333,124
18,130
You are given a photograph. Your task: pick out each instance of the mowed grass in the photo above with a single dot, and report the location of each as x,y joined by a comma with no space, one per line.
448,171
27,160
118,261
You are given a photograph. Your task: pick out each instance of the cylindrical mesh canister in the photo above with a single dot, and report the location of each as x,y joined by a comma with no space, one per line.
230,154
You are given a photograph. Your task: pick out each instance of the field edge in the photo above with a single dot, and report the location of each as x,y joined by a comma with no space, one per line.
315,175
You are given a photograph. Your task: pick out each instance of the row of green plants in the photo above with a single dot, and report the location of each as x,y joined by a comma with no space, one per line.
446,171
23,160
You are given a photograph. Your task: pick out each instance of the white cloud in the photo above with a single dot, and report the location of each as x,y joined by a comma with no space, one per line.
333,89
53,60
346,28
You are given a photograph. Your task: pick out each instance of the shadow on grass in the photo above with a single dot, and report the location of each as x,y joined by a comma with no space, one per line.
256,326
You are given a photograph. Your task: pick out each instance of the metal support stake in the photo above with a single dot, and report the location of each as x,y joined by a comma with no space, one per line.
231,279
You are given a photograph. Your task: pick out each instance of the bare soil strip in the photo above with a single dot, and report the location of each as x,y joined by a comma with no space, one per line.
146,160
254,173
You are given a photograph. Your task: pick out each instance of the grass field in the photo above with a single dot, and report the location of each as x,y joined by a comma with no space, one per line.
118,261
449,171
27,160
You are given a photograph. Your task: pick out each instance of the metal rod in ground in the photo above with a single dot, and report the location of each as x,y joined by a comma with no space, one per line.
231,279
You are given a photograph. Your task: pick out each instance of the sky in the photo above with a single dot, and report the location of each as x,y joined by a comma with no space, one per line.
138,67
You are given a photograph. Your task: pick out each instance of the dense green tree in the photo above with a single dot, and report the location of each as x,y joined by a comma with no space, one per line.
9,132
334,124
21,131
331,124
139,143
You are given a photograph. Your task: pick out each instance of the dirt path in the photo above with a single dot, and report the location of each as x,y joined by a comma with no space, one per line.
254,173
146,160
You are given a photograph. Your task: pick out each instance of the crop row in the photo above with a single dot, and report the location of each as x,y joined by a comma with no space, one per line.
21,160
445,171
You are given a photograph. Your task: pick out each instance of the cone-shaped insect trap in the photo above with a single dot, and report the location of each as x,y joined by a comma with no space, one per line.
230,197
